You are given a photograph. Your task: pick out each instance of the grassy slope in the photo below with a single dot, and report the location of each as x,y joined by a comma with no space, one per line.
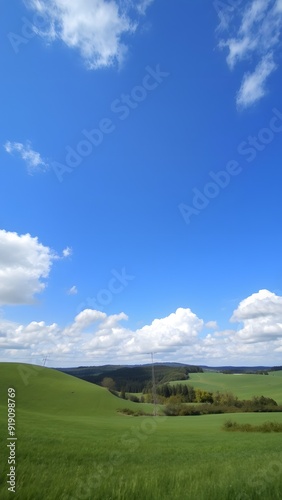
49,391
243,386
72,445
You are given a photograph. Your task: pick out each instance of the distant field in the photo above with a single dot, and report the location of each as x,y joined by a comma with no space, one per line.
243,386
73,445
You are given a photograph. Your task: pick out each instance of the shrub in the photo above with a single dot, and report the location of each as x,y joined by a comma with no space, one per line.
189,410
133,398
271,427
172,410
229,425
133,413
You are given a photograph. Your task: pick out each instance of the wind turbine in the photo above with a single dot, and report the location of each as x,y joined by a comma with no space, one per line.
153,383
44,360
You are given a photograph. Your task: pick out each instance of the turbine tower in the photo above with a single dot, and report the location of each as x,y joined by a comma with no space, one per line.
154,385
44,360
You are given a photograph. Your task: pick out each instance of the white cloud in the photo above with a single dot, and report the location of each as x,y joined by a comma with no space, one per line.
72,290
253,86
97,29
94,335
262,303
257,39
238,49
86,318
254,14
261,314
67,252
33,159
95,338
20,337
143,5
211,324
24,263
165,334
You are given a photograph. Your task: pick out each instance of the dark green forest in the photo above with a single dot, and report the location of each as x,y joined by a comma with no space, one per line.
136,378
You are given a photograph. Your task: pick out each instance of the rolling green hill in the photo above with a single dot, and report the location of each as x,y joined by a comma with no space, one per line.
49,391
73,445
244,386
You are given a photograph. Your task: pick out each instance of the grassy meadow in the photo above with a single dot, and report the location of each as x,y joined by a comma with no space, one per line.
73,445
242,385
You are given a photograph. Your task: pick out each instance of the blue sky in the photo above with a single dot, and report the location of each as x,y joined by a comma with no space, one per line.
141,182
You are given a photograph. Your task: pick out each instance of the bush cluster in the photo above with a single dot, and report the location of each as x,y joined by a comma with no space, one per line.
221,403
229,425
133,413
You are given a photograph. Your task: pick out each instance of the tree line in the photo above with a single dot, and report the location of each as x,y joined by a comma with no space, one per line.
221,403
174,397
139,378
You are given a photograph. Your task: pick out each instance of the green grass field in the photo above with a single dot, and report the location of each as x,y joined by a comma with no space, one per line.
243,386
73,445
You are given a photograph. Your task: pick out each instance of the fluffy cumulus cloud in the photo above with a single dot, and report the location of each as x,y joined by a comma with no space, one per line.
24,264
252,32
166,334
86,318
96,338
32,159
261,315
97,29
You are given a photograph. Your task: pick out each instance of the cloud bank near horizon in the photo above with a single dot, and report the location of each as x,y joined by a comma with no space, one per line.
97,338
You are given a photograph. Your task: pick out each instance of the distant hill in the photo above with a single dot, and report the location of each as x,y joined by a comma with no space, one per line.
134,378
82,371
237,369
